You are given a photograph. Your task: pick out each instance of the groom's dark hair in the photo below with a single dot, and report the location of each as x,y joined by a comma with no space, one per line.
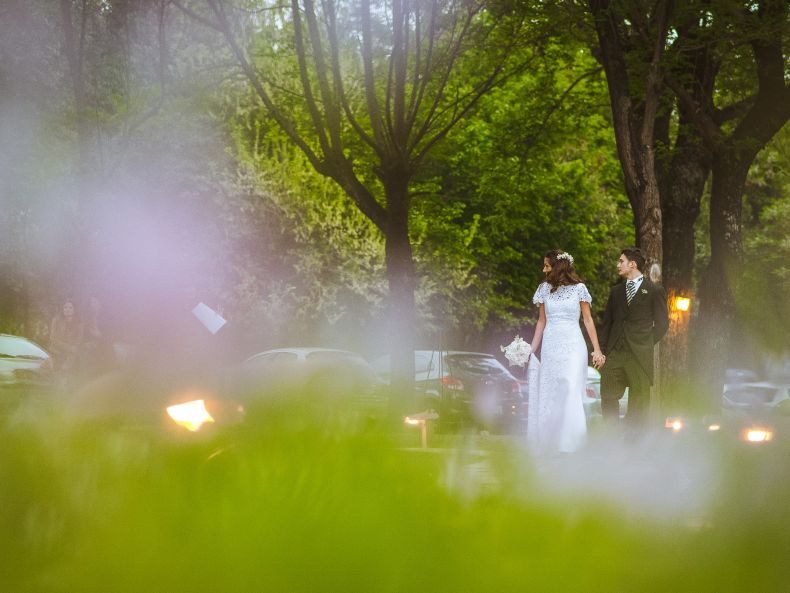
635,255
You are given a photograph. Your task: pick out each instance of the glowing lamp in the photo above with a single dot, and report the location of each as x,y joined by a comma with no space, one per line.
674,424
682,303
757,435
714,427
421,420
191,415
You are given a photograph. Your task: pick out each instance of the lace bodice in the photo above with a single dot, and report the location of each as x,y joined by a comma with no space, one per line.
563,304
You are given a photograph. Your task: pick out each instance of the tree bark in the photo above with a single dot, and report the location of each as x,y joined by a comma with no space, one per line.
401,279
733,155
682,186
634,121
73,49
713,332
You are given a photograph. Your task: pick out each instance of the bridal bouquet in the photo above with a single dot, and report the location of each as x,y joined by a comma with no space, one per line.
517,352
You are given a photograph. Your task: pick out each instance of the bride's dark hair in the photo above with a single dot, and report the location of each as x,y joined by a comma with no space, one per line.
562,271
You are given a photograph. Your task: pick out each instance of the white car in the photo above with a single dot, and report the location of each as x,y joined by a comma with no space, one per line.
760,396
592,396
313,372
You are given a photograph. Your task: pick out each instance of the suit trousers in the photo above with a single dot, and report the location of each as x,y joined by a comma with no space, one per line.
622,370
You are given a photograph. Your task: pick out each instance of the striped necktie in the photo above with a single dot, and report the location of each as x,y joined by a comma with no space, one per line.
630,290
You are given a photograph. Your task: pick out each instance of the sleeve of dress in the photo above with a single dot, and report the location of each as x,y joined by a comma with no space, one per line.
539,295
584,294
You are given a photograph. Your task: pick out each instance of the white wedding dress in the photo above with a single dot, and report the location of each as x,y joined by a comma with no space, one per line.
555,412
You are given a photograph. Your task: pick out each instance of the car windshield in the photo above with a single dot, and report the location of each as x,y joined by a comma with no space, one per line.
752,395
476,364
14,347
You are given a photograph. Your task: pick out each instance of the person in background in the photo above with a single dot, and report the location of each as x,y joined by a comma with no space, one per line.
65,337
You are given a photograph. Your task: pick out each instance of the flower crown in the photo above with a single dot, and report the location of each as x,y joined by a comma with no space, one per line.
567,256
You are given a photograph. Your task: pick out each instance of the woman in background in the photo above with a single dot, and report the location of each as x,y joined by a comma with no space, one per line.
65,337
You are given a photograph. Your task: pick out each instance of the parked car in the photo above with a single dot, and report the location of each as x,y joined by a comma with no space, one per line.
465,389
338,376
758,398
592,396
25,367
734,376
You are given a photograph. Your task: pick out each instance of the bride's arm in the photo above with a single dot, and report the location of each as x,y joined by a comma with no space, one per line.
539,328
589,324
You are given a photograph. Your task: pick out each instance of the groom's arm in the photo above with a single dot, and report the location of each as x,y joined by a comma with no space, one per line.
660,314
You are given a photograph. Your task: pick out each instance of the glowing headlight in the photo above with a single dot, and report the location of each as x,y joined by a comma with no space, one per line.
757,435
674,424
191,415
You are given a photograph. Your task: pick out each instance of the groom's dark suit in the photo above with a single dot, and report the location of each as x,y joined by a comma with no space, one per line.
627,337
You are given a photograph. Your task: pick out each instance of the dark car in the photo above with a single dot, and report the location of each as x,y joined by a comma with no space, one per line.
466,389
339,378
25,368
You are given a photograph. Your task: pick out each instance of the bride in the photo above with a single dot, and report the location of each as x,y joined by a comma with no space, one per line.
555,416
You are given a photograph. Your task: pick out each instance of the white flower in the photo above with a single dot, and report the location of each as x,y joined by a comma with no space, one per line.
567,256
517,352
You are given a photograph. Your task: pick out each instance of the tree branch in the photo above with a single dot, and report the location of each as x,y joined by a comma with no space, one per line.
304,75
376,121
331,111
195,16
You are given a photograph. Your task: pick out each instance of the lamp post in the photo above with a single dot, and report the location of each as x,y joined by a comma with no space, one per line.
421,419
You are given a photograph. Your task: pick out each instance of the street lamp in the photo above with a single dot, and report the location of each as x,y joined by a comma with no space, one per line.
682,303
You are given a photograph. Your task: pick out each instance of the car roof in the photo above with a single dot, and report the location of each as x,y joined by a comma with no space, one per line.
24,339
452,352
753,385
303,352
444,353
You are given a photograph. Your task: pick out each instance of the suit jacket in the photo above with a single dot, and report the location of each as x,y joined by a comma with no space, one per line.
638,326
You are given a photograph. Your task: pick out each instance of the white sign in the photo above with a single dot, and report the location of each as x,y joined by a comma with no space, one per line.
209,317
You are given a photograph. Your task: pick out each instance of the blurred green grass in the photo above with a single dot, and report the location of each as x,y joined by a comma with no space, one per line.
305,506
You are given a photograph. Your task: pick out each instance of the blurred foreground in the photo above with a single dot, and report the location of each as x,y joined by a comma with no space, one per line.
289,502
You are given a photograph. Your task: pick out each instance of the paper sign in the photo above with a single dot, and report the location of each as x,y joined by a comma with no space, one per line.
209,317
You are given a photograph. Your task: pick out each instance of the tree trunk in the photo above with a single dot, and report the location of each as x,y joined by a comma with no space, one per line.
714,328
73,51
682,186
635,117
401,278
634,120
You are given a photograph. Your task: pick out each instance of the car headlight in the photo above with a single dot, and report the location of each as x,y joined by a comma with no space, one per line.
757,435
191,415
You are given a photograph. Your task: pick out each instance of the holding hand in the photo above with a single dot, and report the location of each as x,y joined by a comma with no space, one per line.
598,359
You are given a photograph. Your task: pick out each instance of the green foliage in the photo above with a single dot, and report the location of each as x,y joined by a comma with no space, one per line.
506,187
517,183
763,291
286,506
330,283
762,286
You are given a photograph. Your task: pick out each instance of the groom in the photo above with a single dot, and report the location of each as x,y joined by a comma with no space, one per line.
635,319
